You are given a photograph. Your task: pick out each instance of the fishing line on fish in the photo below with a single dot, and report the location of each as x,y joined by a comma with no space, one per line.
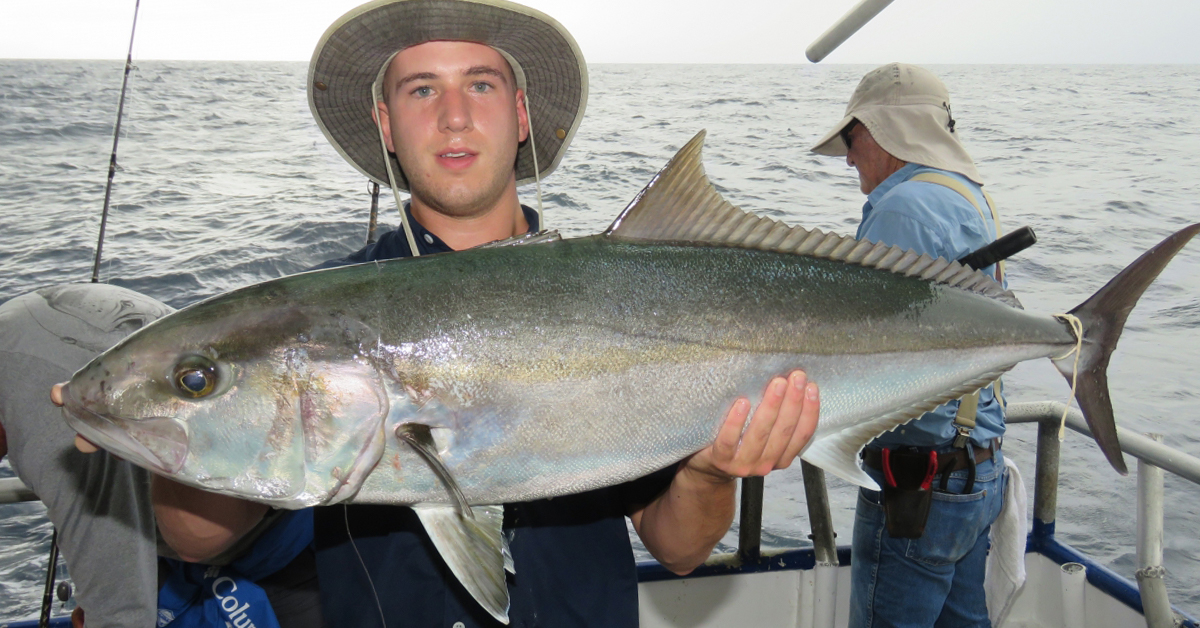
374,593
1077,329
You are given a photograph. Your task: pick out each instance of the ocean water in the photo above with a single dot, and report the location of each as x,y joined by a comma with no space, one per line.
224,180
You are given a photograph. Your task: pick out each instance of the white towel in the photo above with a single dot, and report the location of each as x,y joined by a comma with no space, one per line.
1006,561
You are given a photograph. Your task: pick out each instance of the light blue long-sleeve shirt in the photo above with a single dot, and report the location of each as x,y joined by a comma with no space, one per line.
934,219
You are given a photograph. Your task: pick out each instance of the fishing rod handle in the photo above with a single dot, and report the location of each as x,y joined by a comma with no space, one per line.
1004,247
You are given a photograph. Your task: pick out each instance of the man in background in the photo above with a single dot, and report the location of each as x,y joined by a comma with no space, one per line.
924,194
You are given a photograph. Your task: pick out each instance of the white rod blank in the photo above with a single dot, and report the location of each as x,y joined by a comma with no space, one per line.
841,30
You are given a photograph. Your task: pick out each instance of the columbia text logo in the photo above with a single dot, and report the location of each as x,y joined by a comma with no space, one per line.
229,603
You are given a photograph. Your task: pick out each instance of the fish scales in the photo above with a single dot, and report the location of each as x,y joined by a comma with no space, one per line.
561,389
570,365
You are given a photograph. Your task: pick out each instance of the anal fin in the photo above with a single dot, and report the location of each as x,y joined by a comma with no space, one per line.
475,550
838,452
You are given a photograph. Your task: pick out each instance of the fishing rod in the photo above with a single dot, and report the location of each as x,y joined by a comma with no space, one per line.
374,220
846,26
52,568
47,596
112,159
1000,249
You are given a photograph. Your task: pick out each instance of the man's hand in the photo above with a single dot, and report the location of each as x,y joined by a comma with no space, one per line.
81,443
782,425
681,526
197,524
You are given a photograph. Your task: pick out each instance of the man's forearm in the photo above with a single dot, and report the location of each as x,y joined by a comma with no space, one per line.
682,526
197,524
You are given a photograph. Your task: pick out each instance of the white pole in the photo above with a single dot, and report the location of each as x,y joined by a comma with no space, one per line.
841,30
806,602
1156,605
13,490
1150,512
825,588
1074,582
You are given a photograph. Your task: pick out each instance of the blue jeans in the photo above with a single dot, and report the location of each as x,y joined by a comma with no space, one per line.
936,580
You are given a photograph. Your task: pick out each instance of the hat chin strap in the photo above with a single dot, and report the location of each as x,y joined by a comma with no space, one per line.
387,163
537,172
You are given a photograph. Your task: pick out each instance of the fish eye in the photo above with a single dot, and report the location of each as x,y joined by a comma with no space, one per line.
195,377
196,382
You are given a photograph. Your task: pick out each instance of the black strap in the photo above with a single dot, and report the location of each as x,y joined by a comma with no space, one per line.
944,485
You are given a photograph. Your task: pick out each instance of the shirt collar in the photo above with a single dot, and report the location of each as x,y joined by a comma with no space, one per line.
428,242
896,178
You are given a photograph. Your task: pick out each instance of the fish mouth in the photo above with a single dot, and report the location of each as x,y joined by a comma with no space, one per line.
157,443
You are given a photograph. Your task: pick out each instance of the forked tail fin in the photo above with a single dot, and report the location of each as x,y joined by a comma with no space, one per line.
1103,317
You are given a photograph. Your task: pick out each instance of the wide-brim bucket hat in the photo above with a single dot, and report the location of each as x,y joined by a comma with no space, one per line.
907,111
352,54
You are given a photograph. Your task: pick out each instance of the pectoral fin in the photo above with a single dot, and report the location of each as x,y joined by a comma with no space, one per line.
474,549
468,539
420,438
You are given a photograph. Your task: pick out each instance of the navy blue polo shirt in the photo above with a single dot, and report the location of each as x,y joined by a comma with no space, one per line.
574,563
394,245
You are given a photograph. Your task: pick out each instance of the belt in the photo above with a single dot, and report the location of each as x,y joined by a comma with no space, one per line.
947,463
951,461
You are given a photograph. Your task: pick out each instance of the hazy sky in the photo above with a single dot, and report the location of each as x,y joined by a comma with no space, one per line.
644,31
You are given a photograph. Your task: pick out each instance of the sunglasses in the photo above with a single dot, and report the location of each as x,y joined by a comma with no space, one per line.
846,132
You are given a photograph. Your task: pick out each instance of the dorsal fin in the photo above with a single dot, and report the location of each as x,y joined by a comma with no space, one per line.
541,237
680,204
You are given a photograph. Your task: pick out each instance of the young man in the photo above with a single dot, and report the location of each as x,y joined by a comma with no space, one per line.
458,102
472,98
923,193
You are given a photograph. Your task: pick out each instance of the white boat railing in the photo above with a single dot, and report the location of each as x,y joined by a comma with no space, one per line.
1153,458
13,490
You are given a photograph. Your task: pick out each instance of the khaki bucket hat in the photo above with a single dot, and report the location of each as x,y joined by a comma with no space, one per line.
907,111
354,51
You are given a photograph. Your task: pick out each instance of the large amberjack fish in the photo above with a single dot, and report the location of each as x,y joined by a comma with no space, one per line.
456,382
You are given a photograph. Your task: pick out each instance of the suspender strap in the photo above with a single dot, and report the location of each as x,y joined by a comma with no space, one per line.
952,183
956,185
964,419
